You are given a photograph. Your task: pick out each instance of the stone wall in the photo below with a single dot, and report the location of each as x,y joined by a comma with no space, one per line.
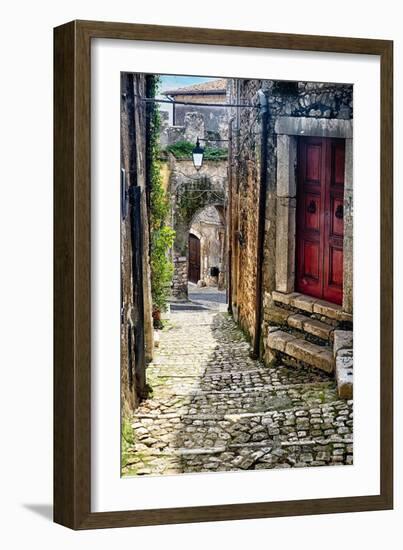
245,164
294,108
133,155
215,118
180,278
195,122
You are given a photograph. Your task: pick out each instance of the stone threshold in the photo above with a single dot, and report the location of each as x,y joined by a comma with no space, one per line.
311,305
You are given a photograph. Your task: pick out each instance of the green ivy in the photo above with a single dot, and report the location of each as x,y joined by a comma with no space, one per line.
183,150
161,235
161,266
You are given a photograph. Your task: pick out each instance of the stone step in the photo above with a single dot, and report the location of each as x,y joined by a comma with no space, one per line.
320,357
311,305
220,405
285,317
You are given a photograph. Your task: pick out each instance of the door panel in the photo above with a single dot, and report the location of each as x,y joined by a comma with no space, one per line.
313,165
320,226
335,266
311,260
309,273
334,223
194,259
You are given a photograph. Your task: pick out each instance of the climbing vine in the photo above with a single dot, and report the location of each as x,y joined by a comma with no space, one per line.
161,235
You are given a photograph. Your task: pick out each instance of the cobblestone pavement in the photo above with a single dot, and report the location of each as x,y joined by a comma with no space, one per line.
213,408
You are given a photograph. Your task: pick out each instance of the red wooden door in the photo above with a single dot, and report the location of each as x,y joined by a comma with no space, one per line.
194,258
319,262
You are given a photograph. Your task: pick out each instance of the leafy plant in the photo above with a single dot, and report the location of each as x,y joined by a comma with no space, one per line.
183,150
127,440
161,266
161,235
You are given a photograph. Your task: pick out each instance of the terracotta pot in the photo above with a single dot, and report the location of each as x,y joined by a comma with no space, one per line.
157,315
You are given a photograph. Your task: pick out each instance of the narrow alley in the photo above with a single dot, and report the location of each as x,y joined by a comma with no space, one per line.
213,408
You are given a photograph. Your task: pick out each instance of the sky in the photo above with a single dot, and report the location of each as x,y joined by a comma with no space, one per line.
170,82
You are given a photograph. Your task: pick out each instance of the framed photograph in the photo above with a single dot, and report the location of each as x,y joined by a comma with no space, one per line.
223,275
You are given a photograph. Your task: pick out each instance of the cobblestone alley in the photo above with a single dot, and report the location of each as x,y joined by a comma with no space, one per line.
213,408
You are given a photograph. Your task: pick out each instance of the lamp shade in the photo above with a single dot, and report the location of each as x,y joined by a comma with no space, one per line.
197,155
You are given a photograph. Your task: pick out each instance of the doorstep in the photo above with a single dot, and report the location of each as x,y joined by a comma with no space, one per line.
320,357
311,305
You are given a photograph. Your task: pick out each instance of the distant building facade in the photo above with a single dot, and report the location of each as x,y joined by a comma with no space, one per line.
192,121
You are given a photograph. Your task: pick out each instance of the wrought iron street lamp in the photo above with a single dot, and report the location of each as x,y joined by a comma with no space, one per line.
197,155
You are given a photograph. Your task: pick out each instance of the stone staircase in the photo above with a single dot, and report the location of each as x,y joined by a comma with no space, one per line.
314,333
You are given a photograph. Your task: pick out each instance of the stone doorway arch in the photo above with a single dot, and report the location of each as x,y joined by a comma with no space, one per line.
189,199
208,224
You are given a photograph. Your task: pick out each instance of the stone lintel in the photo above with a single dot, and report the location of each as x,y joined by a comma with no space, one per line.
320,127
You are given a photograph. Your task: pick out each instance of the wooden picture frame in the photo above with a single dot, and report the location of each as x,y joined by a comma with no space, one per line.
72,271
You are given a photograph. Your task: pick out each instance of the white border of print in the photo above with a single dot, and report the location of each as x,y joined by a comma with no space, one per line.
110,492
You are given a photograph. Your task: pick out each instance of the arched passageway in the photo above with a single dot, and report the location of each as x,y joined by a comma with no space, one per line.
198,210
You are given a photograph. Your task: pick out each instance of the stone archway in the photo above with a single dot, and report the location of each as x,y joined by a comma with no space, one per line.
208,225
189,199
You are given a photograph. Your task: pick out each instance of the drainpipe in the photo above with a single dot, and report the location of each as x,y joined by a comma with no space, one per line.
261,223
